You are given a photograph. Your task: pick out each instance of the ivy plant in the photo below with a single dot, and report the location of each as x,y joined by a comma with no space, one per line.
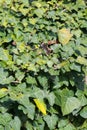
43,65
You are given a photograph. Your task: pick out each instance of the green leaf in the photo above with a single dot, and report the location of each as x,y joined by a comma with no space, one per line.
81,97
62,123
43,81
66,93
37,4
25,22
80,3
8,127
81,60
33,21
28,126
83,112
51,121
3,92
4,55
34,39
58,80
77,33
23,10
75,67
5,118
16,123
31,67
84,125
40,124
70,104
19,75
58,97
37,93
1,127
49,63
39,12
31,80
21,46
51,98
40,61
68,127
4,79
82,50
27,107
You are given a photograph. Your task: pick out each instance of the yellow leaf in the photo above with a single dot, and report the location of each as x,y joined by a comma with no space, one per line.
40,61
19,96
62,64
40,105
81,60
3,92
21,46
33,21
64,36
38,5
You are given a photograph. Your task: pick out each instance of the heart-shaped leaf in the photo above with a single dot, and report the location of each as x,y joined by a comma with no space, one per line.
64,35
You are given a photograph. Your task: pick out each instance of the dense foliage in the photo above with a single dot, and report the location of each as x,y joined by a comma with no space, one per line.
43,65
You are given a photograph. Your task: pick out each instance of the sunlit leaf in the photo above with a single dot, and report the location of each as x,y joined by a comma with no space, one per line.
37,4
40,105
39,12
3,92
64,36
84,125
16,123
81,60
4,55
33,21
69,105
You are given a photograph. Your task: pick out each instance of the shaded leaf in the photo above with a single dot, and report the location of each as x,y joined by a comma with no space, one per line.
27,107
4,79
1,127
51,121
51,98
28,126
83,112
62,123
19,75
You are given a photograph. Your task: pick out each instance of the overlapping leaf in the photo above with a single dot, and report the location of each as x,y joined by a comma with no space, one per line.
43,87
